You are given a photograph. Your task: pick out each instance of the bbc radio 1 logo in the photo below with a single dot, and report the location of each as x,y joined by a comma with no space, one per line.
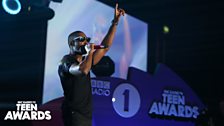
27,110
101,88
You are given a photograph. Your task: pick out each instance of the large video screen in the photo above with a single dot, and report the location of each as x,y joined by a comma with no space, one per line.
94,19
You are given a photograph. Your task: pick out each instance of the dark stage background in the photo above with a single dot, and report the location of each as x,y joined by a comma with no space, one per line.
193,48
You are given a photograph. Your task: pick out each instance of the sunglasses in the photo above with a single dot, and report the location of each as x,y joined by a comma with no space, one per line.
82,39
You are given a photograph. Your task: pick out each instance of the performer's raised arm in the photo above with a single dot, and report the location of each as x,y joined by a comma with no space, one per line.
108,39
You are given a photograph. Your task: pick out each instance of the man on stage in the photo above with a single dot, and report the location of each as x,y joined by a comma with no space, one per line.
74,74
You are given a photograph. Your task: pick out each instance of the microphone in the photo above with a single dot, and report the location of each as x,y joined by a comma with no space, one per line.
100,47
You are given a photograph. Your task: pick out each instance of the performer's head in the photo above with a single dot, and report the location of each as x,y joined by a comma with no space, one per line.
77,42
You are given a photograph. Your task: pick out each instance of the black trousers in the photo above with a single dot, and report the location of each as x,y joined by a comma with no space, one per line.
74,118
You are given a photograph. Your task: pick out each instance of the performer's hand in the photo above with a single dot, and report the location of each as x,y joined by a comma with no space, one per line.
92,47
117,13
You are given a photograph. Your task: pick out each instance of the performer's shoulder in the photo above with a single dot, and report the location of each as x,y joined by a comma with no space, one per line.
66,58
64,63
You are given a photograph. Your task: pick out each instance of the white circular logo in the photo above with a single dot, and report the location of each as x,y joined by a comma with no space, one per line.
126,100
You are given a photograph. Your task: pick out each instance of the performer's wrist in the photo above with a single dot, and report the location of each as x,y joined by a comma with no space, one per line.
91,52
114,22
